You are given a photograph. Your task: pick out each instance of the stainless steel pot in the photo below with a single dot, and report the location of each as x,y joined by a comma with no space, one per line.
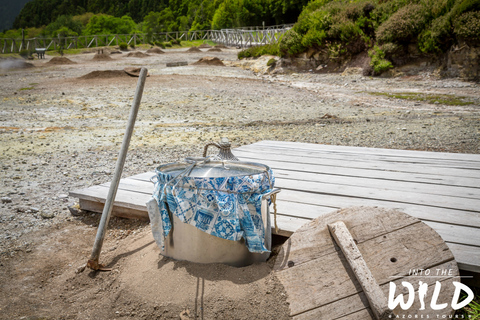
185,241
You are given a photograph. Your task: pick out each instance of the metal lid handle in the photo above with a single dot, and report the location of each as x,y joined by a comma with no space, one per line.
225,151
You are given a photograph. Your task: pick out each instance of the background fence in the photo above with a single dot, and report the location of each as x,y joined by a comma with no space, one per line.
240,37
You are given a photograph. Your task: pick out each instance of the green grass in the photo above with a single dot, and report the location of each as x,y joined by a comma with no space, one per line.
183,44
257,51
195,43
27,88
472,311
445,99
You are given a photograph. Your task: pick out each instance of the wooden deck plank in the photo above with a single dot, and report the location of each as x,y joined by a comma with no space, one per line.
427,213
443,190
398,158
411,168
322,168
126,199
467,257
330,202
362,158
416,187
366,150
466,234
287,224
441,201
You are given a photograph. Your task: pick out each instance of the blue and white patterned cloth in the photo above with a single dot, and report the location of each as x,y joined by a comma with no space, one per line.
225,207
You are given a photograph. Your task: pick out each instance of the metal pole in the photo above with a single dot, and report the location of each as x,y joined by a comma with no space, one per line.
107,209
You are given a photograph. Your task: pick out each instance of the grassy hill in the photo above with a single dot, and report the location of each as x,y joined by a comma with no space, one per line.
392,32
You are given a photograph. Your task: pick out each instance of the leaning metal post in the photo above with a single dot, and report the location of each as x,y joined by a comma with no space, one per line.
107,209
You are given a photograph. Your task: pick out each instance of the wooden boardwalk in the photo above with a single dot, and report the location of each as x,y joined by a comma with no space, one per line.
441,189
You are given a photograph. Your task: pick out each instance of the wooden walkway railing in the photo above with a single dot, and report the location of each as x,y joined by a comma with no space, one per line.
241,37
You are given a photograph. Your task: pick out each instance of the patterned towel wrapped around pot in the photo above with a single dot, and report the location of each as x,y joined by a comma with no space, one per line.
225,207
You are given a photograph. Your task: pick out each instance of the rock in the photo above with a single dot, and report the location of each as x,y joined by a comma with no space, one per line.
6,200
80,269
75,209
352,71
185,314
47,215
310,53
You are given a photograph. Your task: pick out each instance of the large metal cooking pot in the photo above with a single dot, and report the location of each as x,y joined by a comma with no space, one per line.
213,211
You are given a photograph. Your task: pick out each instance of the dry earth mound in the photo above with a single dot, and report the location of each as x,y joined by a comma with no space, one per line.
105,74
209,61
134,72
59,61
221,46
214,50
204,45
194,49
101,57
155,50
138,54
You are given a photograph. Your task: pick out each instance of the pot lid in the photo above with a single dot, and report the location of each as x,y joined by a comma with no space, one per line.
213,169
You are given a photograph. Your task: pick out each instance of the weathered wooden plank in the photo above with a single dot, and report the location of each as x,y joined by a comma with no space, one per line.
467,257
375,296
461,234
457,234
299,206
365,225
364,157
364,150
327,157
466,204
118,211
357,304
128,203
466,234
410,168
177,64
417,187
125,199
429,213
320,167
324,279
329,201
360,181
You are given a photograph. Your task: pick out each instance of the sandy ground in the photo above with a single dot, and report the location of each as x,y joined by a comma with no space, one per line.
61,128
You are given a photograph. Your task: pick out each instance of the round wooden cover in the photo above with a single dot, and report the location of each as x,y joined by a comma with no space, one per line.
396,248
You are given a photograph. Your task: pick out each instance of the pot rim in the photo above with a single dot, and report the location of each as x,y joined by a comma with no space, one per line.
250,168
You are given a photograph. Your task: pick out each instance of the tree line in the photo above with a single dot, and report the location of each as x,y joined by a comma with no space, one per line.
86,17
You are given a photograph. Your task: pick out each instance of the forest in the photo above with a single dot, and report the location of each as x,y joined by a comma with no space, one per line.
386,29
173,15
